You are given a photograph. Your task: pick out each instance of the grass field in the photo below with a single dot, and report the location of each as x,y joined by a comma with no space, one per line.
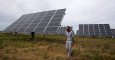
52,47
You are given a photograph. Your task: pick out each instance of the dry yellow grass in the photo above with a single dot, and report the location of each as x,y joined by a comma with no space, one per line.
53,48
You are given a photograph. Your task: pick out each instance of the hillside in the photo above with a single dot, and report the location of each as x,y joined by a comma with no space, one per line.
52,47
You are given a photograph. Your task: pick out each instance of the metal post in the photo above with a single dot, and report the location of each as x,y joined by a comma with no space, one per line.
32,35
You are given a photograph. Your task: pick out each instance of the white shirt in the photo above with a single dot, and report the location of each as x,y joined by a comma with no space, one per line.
69,35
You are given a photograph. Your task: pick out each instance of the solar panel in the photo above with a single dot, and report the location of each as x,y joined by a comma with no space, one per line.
61,30
26,23
107,29
94,30
91,30
86,32
19,24
81,30
113,33
102,30
52,26
41,22
77,32
13,25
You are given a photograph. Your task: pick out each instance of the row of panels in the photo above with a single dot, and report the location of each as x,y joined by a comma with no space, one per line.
94,30
46,21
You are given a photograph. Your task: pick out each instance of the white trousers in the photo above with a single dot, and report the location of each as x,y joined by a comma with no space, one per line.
68,47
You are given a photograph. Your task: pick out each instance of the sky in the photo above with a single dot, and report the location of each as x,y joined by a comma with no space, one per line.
77,11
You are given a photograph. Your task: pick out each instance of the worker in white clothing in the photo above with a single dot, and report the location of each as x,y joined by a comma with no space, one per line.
69,41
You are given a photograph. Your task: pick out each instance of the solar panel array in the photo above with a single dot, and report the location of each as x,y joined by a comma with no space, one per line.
113,33
94,30
77,32
61,30
41,22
